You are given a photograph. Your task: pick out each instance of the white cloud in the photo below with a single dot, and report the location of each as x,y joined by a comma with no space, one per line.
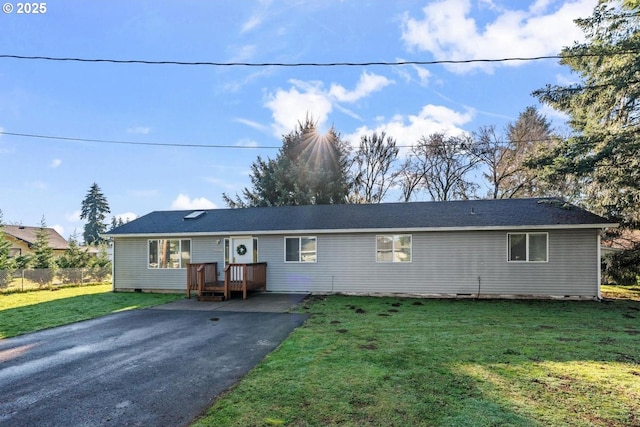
242,53
246,142
73,216
288,107
449,33
367,84
251,23
139,130
55,163
127,216
407,130
251,124
37,185
184,202
567,79
221,183
559,118
59,229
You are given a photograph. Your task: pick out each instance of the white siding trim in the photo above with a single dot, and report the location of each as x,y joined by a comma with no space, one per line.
373,230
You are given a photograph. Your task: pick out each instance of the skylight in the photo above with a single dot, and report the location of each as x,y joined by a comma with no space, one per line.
194,214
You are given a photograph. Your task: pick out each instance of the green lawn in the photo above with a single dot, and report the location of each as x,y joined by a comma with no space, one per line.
31,311
361,361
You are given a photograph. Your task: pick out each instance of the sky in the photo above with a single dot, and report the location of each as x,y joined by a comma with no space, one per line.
246,109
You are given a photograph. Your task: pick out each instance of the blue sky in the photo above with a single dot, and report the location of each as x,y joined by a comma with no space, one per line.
246,106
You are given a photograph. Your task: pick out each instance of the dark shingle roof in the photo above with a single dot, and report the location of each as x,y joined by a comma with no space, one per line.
468,214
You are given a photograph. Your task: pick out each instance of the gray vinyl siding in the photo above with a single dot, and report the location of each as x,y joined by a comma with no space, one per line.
443,263
131,263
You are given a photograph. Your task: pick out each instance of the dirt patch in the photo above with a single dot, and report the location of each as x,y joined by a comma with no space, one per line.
335,322
417,303
360,311
565,339
368,346
342,331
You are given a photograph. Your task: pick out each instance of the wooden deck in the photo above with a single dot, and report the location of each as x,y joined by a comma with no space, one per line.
203,279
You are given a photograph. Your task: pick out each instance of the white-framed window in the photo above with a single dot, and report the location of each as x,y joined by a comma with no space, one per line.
393,248
528,247
169,253
300,249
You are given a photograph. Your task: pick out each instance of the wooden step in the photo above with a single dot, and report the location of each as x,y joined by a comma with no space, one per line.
211,297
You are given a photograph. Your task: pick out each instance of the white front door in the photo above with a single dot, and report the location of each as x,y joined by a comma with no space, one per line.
241,250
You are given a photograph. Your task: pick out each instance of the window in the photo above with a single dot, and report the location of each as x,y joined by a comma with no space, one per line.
169,253
300,249
528,247
393,248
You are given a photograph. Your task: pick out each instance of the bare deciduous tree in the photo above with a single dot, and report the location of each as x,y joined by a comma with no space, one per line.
441,164
373,164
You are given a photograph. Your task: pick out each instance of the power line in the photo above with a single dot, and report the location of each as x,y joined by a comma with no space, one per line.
311,64
158,144
249,147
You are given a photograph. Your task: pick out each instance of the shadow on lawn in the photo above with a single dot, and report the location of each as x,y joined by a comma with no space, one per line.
499,362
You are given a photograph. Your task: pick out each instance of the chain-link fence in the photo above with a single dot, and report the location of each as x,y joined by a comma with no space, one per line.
39,278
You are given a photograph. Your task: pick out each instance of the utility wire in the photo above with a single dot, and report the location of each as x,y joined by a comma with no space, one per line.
163,144
311,64
158,144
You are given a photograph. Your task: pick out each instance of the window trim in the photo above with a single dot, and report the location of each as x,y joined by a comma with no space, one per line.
300,261
182,267
393,249
527,234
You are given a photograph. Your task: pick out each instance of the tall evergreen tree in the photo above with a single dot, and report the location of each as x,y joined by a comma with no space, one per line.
42,260
506,159
7,263
604,111
310,168
94,210
72,261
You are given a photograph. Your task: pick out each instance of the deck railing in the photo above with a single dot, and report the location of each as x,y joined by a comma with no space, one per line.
237,277
205,271
245,277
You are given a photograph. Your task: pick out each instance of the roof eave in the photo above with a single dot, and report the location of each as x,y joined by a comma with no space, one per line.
368,230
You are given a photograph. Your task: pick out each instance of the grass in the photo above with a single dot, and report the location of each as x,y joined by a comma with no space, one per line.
35,310
363,361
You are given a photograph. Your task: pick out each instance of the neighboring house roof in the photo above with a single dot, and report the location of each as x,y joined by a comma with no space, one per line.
624,240
451,215
28,235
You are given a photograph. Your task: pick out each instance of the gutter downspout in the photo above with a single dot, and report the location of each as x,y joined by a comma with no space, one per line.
113,265
599,295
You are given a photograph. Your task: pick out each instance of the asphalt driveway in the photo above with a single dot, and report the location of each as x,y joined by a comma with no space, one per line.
154,367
